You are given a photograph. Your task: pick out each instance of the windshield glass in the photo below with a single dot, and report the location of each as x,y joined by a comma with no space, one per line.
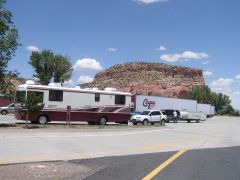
145,112
20,96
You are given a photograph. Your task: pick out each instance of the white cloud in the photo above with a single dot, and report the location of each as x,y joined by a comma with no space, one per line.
68,83
207,73
194,55
229,87
32,48
161,48
186,55
235,97
205,62
84,79
111,49
237,77
222,85
87,64
149,1
170,57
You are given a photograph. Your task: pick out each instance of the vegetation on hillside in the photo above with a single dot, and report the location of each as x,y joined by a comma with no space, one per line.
222,102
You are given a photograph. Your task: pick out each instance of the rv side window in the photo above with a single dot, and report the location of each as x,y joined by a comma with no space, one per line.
120,99
37,93
55,95
97,97
20,96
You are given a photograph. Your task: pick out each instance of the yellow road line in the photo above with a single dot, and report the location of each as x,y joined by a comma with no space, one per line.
163,165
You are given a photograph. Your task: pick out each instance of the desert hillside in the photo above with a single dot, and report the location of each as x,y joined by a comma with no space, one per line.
149,79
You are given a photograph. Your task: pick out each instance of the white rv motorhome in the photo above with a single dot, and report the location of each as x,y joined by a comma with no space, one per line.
57,98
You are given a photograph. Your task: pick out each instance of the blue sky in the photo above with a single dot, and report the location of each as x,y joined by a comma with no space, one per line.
97,34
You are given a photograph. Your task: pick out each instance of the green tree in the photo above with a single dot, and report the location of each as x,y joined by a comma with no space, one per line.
8,45
49,66
202,94
62,68
33,104
221,101
43,64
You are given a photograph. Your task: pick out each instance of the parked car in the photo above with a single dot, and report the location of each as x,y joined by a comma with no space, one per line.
153,116
7,109
169,114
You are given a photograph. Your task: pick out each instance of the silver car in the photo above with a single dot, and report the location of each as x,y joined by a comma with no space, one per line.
7,109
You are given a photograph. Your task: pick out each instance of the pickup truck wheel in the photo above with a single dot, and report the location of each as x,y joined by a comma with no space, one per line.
42,119
3,112
102,121
145,122
162,122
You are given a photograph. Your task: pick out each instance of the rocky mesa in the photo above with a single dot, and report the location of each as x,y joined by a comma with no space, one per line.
149,79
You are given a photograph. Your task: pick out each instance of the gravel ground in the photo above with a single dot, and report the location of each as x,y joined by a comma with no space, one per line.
46,171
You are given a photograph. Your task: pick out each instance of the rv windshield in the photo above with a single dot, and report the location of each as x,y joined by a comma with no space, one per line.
20,96
145,112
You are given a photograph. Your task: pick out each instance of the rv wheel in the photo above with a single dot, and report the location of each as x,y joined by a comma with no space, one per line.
42,119
102,121
3,112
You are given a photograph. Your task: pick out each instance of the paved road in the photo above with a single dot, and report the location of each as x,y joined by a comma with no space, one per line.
220,164
29,145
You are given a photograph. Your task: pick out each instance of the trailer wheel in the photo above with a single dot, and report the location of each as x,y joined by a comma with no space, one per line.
102,121
145,122
198,120
42,119
162,122
4,112
188,121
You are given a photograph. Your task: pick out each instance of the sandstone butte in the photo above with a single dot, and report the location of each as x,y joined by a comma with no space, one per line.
154,79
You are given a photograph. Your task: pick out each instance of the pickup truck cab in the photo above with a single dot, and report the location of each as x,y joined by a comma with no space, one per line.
153,116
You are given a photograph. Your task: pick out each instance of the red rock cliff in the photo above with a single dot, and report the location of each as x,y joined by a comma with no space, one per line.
149,79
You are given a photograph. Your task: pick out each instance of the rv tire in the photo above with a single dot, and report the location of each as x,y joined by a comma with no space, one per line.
102,121
4,112
42,119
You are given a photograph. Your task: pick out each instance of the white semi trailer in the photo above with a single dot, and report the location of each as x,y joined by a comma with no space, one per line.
212,111
205,108
143,103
